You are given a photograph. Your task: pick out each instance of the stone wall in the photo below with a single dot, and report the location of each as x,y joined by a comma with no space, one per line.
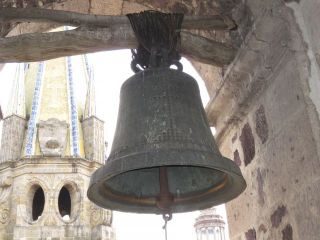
267,119
18,184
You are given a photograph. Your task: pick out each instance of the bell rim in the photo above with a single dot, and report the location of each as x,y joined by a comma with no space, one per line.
236,182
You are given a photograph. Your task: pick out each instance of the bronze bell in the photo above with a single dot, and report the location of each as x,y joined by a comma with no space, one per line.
164,157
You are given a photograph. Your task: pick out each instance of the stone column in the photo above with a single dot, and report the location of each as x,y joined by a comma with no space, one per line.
102,232
203,234
198,234
12,138
218,233
223,233
93,134
211,237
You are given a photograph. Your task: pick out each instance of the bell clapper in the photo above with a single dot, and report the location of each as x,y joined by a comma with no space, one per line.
165,198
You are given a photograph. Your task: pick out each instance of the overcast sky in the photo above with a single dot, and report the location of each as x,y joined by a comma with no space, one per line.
111,70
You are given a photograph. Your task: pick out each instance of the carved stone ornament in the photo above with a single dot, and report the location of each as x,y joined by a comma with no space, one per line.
52,137
50,220
100,216
5,190
4,215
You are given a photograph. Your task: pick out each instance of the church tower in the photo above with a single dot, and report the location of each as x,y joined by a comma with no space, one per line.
51,143
210,225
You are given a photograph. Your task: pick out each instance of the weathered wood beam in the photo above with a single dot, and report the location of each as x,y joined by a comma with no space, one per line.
215,22
206,50
43,46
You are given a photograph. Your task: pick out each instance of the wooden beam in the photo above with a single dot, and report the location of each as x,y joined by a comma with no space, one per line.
215,22
43,46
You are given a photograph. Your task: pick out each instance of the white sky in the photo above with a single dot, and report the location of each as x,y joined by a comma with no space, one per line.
6,80
111,70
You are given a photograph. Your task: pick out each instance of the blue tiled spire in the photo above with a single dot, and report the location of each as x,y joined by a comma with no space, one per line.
73,111
90,105
34,111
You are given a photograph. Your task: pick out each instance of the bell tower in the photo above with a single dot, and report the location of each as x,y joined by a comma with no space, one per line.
14,122
52,141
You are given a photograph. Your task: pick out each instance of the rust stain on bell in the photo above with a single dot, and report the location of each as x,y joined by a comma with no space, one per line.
162,123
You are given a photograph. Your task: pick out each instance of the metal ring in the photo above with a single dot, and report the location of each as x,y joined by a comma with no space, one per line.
134,66
177,64
167,216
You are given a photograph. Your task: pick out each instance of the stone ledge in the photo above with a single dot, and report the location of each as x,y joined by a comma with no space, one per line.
49,161
259,59
92,117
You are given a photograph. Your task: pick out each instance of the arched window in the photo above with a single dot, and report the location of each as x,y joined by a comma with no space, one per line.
68,201
203,234
211,234
64,203
37,203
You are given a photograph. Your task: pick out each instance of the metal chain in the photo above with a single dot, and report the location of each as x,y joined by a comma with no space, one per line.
166,217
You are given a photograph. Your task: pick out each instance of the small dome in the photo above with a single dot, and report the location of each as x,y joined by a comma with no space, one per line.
209,218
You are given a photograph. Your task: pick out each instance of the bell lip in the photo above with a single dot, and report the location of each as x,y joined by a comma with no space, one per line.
237,183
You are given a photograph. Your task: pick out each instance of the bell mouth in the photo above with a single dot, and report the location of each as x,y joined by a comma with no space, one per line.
182,191
193,187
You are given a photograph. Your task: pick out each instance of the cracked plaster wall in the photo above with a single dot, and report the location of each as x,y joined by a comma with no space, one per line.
266,112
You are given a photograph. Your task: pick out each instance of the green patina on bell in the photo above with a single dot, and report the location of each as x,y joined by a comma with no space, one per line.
164,158
162,123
